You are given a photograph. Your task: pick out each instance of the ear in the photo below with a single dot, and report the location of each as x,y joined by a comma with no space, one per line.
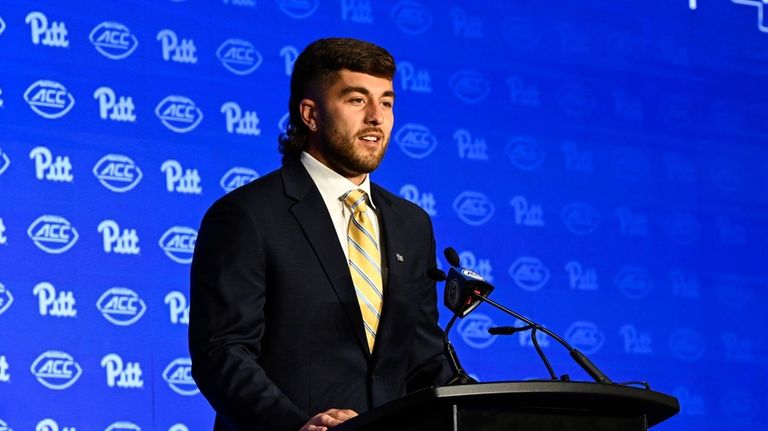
308,111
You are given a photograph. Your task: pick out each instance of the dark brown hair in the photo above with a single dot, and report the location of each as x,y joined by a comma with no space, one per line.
318,65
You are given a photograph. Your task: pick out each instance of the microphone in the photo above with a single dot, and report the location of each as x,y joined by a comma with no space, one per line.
464,288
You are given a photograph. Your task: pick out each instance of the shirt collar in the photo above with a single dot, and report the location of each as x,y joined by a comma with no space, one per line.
331,184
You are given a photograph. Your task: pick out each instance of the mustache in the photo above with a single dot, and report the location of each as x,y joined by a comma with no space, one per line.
370,130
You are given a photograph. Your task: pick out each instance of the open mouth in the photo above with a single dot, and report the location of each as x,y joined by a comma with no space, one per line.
371,138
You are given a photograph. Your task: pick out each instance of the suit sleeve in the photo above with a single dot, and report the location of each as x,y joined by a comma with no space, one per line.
227,324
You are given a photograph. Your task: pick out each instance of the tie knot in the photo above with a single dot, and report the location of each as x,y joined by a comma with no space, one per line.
355,200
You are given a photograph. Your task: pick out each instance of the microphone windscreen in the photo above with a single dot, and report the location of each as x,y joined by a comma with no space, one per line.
452,256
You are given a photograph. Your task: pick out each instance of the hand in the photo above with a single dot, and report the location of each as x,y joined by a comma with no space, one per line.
328,419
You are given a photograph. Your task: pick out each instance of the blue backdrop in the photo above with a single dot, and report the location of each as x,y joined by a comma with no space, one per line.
602,163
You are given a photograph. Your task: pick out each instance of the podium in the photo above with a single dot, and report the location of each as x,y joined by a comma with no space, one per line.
520,406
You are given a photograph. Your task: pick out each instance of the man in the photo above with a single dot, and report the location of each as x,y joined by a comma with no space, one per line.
309,296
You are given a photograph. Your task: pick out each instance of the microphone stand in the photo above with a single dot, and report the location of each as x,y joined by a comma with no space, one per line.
460,377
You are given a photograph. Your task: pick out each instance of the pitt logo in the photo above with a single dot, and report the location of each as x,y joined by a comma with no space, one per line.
48,168
298,9
580,278
178,113
236,177
117,173
577,159
3,238
5,161
52,234
178,306
414,80
56,370
114,241
425,200
178,375
174,50
113,108
51,425
527,214
633,282
416,140
239,122
473,208
684,286
180,180
576,100
289,54
469,86
682,228
121,306
54,35
239,56
585,336
122,374
626,107
49,303
178,243
472,149
690,404
474,330
687,345
411,17
466,26
580,218
737,349
521,93
529,273
634,342
4,426
6,299
123,426
282,123
525,153
481,266
5,376
113,40
49,99
632,224
358,11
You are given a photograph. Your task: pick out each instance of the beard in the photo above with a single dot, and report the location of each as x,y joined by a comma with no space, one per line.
342,152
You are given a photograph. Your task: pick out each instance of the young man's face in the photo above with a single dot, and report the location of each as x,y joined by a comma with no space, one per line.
354,122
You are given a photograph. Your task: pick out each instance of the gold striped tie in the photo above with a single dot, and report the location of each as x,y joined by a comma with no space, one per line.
364,263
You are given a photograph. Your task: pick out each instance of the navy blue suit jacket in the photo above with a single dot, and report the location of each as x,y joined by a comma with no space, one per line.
275,329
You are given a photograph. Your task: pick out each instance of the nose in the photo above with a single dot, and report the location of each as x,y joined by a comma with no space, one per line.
374,114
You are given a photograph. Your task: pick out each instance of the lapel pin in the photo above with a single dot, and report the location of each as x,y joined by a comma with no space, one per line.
399,257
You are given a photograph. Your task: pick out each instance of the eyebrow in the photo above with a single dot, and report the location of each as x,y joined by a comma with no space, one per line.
363,90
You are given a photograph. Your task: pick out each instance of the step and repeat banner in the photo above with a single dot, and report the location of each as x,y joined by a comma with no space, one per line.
603,164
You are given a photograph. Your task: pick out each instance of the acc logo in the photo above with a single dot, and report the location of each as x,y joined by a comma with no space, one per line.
236,177
739,405
633,282
121,306
585,336
178,243
117,173
469,86
4,161
123,426
179,113
113,40
473,208
474,330
178,374
239,56
52,234
576,100
49,99
6,299
411,17
416,140
56,370
298,9
580,218
178,427
687,345
525,153
2,25
529,273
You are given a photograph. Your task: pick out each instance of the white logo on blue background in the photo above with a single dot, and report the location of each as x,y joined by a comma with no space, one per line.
580,218
5,161
56,370
49,99
237,177
179,114
474,330
411,17
123,426
178,243
633,282
113,40
178,375
525,153
298,9
4,426
117,172
470,86
122,374
121,306
473,208
178,306
178,427
529,273
6,299
416,140
52,234
576,100
289,54
585,336
2,25
239,56
739,405
49,424
687,345
762,18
